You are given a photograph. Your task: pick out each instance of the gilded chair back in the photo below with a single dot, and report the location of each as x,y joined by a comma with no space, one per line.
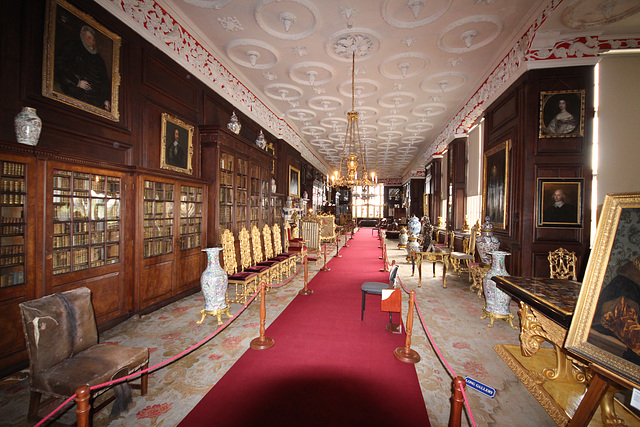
287,235
268,247
562,264
229,252
245,248
311,232
327,228
256,245
277,239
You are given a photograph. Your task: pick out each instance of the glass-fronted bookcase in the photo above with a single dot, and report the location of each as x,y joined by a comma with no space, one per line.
13,196
86,220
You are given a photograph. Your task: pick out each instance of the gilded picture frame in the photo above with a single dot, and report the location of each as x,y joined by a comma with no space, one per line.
606,313
294,181
562,114
176,151
495,184
560,202
81,61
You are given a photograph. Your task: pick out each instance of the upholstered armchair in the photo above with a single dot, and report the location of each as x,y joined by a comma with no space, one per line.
62,340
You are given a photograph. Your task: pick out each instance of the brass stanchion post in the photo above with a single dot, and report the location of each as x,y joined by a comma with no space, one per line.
262,342
338,246
324,267
406,354
305,290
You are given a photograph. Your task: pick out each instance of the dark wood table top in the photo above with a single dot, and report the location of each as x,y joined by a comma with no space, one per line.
555,298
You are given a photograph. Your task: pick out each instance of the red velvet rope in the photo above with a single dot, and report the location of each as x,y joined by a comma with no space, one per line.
439,354
178,356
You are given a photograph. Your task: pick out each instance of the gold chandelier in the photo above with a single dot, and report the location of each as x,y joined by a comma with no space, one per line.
353,153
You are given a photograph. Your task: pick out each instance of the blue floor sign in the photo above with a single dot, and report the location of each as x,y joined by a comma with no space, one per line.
484,389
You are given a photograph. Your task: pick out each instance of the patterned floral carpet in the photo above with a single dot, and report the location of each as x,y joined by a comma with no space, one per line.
452,316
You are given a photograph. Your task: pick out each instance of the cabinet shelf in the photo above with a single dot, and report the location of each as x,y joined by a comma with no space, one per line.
13,223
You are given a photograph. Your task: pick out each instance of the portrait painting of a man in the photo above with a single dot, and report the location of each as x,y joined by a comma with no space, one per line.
496,179
177,144
560,202
81,61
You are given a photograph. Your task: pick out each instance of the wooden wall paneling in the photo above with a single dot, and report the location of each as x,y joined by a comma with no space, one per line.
14,352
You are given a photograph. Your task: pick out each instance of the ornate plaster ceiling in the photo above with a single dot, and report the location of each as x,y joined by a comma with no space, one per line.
424,68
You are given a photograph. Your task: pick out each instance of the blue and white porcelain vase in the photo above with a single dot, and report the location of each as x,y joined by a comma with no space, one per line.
28,126
487,242
403,238
414,226
497,302
214,283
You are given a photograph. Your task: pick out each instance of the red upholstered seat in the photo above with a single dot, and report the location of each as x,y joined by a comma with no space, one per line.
243,275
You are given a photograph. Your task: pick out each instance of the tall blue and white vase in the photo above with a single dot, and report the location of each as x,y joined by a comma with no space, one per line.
28,126
496,301
214,283
413,226
487,242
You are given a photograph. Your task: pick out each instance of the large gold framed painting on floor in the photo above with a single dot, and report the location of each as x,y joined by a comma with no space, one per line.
605,329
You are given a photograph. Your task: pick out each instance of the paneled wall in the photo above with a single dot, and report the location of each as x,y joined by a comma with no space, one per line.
152,250
515,117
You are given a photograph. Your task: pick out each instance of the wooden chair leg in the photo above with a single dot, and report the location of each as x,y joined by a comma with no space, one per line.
144,380
34,405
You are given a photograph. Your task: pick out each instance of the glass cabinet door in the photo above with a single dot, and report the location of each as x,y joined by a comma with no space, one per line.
86,220
13,224
158,218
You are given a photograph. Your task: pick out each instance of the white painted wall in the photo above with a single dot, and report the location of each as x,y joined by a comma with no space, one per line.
619,125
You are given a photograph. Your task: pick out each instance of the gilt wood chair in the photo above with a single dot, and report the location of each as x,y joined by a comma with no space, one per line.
310,232
460,261
244,283
64,353
293,245
283,261
258,257
263,271
277,249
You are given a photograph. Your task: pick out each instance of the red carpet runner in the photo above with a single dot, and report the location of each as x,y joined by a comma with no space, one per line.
327,368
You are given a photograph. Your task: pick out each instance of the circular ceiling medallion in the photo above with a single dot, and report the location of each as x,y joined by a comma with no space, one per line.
587,14
389,135
311,73
428,110
312,130
283,91
286,19
252,53
404,65
402,15
443,82
412,139
363,88
325,103
335,123
341,45
419,127
470,33
397,99
392,120
300,114
320,142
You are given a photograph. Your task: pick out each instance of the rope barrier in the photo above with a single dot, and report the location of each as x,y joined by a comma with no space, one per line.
179,355
439,353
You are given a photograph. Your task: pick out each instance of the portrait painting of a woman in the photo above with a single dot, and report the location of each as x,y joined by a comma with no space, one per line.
561,114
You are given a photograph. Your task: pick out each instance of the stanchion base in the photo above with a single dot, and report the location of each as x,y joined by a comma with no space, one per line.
394,328
306,291
262,344
412,357
337,256
325,269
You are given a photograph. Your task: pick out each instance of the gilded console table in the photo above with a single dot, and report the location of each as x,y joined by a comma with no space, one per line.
546,309
433,257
